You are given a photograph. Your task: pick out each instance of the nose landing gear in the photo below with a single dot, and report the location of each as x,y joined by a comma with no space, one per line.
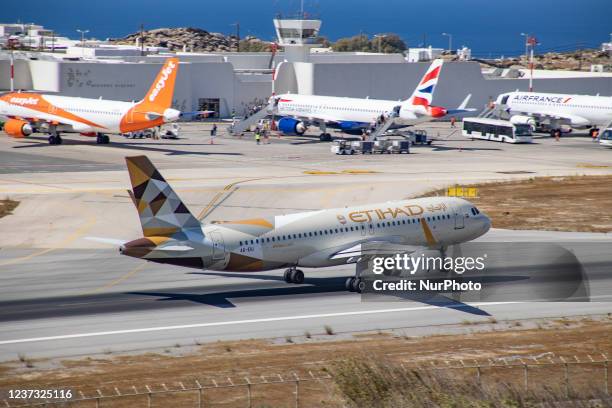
293,275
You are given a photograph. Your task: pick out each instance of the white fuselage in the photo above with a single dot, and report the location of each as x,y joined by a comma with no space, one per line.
310,239
579,110
104,115
339,109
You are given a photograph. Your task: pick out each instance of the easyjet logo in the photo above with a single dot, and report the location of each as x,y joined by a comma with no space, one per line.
24,101
165,73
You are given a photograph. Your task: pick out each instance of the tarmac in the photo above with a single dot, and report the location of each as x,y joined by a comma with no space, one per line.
62,295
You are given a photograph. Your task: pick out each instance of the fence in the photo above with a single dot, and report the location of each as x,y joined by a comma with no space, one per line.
245,386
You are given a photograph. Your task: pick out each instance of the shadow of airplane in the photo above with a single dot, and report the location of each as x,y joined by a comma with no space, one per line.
312,286
131,146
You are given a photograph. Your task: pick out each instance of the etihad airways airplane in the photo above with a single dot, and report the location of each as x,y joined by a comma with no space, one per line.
314,239
575,111
353,115
29,112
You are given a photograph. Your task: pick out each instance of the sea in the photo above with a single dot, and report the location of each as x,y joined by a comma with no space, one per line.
491,28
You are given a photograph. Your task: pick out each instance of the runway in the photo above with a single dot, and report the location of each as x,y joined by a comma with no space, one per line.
62,296
79,294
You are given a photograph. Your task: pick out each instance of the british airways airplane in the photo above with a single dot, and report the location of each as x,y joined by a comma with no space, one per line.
353,115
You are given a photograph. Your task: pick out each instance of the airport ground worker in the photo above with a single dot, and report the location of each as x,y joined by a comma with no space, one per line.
453,120
257,136
595,135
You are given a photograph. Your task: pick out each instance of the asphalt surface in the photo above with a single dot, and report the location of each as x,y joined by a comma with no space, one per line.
64,303
61,295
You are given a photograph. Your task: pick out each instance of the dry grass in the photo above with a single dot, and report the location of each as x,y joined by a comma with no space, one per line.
575,203
254,358
7,206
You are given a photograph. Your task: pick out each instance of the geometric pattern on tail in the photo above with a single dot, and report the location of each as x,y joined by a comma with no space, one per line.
161,211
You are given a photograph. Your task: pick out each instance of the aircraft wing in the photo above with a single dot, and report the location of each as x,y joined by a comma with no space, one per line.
374,248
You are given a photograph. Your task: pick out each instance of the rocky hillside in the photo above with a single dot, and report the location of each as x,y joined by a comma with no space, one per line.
194,39
575,61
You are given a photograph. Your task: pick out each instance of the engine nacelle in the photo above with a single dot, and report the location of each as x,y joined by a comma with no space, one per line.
290,126
17,128
524,120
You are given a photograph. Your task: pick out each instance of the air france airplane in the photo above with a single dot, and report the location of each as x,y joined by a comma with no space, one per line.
576,111
352,115
313,239
30,112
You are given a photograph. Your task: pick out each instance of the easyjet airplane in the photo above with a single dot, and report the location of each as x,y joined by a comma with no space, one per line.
314,239
29,112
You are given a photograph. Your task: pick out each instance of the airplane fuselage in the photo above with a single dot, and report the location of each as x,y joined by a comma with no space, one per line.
340,109
310,239
579,110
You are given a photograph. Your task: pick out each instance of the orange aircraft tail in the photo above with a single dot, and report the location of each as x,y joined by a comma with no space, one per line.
159,96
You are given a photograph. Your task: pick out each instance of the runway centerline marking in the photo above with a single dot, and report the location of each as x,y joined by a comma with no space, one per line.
234,322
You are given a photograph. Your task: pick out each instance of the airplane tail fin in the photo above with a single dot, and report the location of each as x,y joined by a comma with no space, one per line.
423,93
159,96
161,211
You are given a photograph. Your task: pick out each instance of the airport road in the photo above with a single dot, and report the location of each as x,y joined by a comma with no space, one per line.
54,283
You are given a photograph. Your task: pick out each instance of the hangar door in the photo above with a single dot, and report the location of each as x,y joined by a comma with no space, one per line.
210,104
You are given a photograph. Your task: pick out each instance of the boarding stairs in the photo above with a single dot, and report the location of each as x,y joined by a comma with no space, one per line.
495,112
381,128
245,124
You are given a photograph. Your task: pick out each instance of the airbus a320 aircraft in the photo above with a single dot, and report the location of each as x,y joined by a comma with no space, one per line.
576,111
29,112
172,235
352,115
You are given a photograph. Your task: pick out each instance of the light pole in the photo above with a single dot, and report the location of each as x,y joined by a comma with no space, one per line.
83,32
379,37
450,42
237,24
526,35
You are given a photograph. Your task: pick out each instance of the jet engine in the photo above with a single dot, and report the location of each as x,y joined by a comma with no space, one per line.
17,128
290,126
523,120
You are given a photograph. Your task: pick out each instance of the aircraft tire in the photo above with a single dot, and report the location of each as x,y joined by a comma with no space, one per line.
356,285
105,139
297,277
287,275
348,284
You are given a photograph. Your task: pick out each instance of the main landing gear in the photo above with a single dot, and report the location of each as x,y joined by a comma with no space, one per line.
55,139
325,137
354,284
101,138
293,275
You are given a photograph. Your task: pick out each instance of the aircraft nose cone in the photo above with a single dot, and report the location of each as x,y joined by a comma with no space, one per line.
170,115
486,224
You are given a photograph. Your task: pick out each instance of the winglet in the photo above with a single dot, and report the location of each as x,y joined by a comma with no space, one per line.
465,102
431,241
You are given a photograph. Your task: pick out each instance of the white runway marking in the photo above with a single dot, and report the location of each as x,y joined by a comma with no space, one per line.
233,322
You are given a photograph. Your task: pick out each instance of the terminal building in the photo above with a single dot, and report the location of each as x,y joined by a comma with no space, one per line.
230,82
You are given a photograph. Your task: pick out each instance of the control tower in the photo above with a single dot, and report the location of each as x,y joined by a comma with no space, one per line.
297,35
